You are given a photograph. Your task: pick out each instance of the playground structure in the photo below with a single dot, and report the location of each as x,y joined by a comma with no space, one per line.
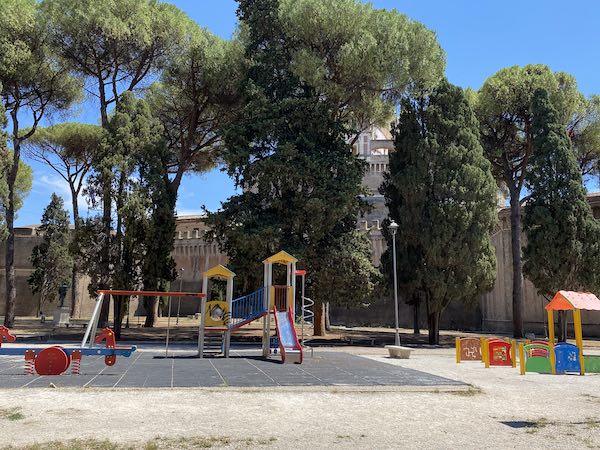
55,360
539,356
490,351
219,318
564,357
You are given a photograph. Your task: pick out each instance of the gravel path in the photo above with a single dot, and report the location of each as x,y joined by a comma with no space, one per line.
503,410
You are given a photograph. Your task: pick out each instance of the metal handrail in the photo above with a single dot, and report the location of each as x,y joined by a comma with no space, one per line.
247,307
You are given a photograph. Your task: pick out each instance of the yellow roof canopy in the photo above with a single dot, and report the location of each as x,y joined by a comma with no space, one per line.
219,271
282,257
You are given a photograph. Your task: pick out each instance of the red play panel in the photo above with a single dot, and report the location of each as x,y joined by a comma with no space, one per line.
52,361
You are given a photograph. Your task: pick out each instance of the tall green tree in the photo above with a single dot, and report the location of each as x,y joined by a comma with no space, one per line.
504,111
562,234
68,149
51,259
301,182
441,192
134,159
115,46
34,84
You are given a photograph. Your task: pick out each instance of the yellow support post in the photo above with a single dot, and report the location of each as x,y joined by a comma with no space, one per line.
482,348
579,338
457,346
551,341
272,298
522,358
513,350
487,354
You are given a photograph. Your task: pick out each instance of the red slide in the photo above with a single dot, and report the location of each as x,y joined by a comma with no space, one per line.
291,350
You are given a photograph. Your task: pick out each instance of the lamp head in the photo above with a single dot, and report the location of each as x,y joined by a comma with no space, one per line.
393,227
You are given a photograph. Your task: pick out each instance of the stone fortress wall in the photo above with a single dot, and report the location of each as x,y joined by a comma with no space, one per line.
27,303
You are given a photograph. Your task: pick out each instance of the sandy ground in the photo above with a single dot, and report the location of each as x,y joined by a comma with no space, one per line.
502,410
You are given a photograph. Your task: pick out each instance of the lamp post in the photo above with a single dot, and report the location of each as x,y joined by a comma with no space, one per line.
393,227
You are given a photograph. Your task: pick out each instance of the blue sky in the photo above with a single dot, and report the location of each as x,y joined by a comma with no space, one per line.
479,37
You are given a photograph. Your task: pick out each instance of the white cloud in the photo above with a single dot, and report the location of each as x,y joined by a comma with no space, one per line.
46,184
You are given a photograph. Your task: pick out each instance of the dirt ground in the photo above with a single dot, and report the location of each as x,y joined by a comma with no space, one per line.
500,410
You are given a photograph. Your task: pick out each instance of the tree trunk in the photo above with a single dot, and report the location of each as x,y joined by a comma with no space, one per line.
319,319
11,287
104,312
119,312
105,256
75,307
327,318
106,216
416,307
561,327
433,324
151,307
517,265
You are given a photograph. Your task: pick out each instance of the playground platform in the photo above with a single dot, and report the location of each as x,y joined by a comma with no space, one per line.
149,368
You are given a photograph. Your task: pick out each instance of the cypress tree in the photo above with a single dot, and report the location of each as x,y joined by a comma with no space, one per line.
562,234
441,192
51,259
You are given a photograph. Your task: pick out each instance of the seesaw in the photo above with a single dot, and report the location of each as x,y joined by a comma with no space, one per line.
55,360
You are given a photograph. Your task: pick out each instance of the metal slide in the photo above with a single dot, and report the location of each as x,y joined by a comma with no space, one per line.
291,350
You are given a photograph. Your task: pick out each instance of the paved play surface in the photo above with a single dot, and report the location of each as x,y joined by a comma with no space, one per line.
150,368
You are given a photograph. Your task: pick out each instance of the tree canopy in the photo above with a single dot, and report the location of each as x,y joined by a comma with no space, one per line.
363,59
113,44
196,94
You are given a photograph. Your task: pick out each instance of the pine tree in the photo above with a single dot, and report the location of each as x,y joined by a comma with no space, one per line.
51,260
301,183
561,231
442,194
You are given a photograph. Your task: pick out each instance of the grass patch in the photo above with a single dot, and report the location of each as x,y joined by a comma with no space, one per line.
471,392
12,414
540,423
76,444
536,425
183,443
590,422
